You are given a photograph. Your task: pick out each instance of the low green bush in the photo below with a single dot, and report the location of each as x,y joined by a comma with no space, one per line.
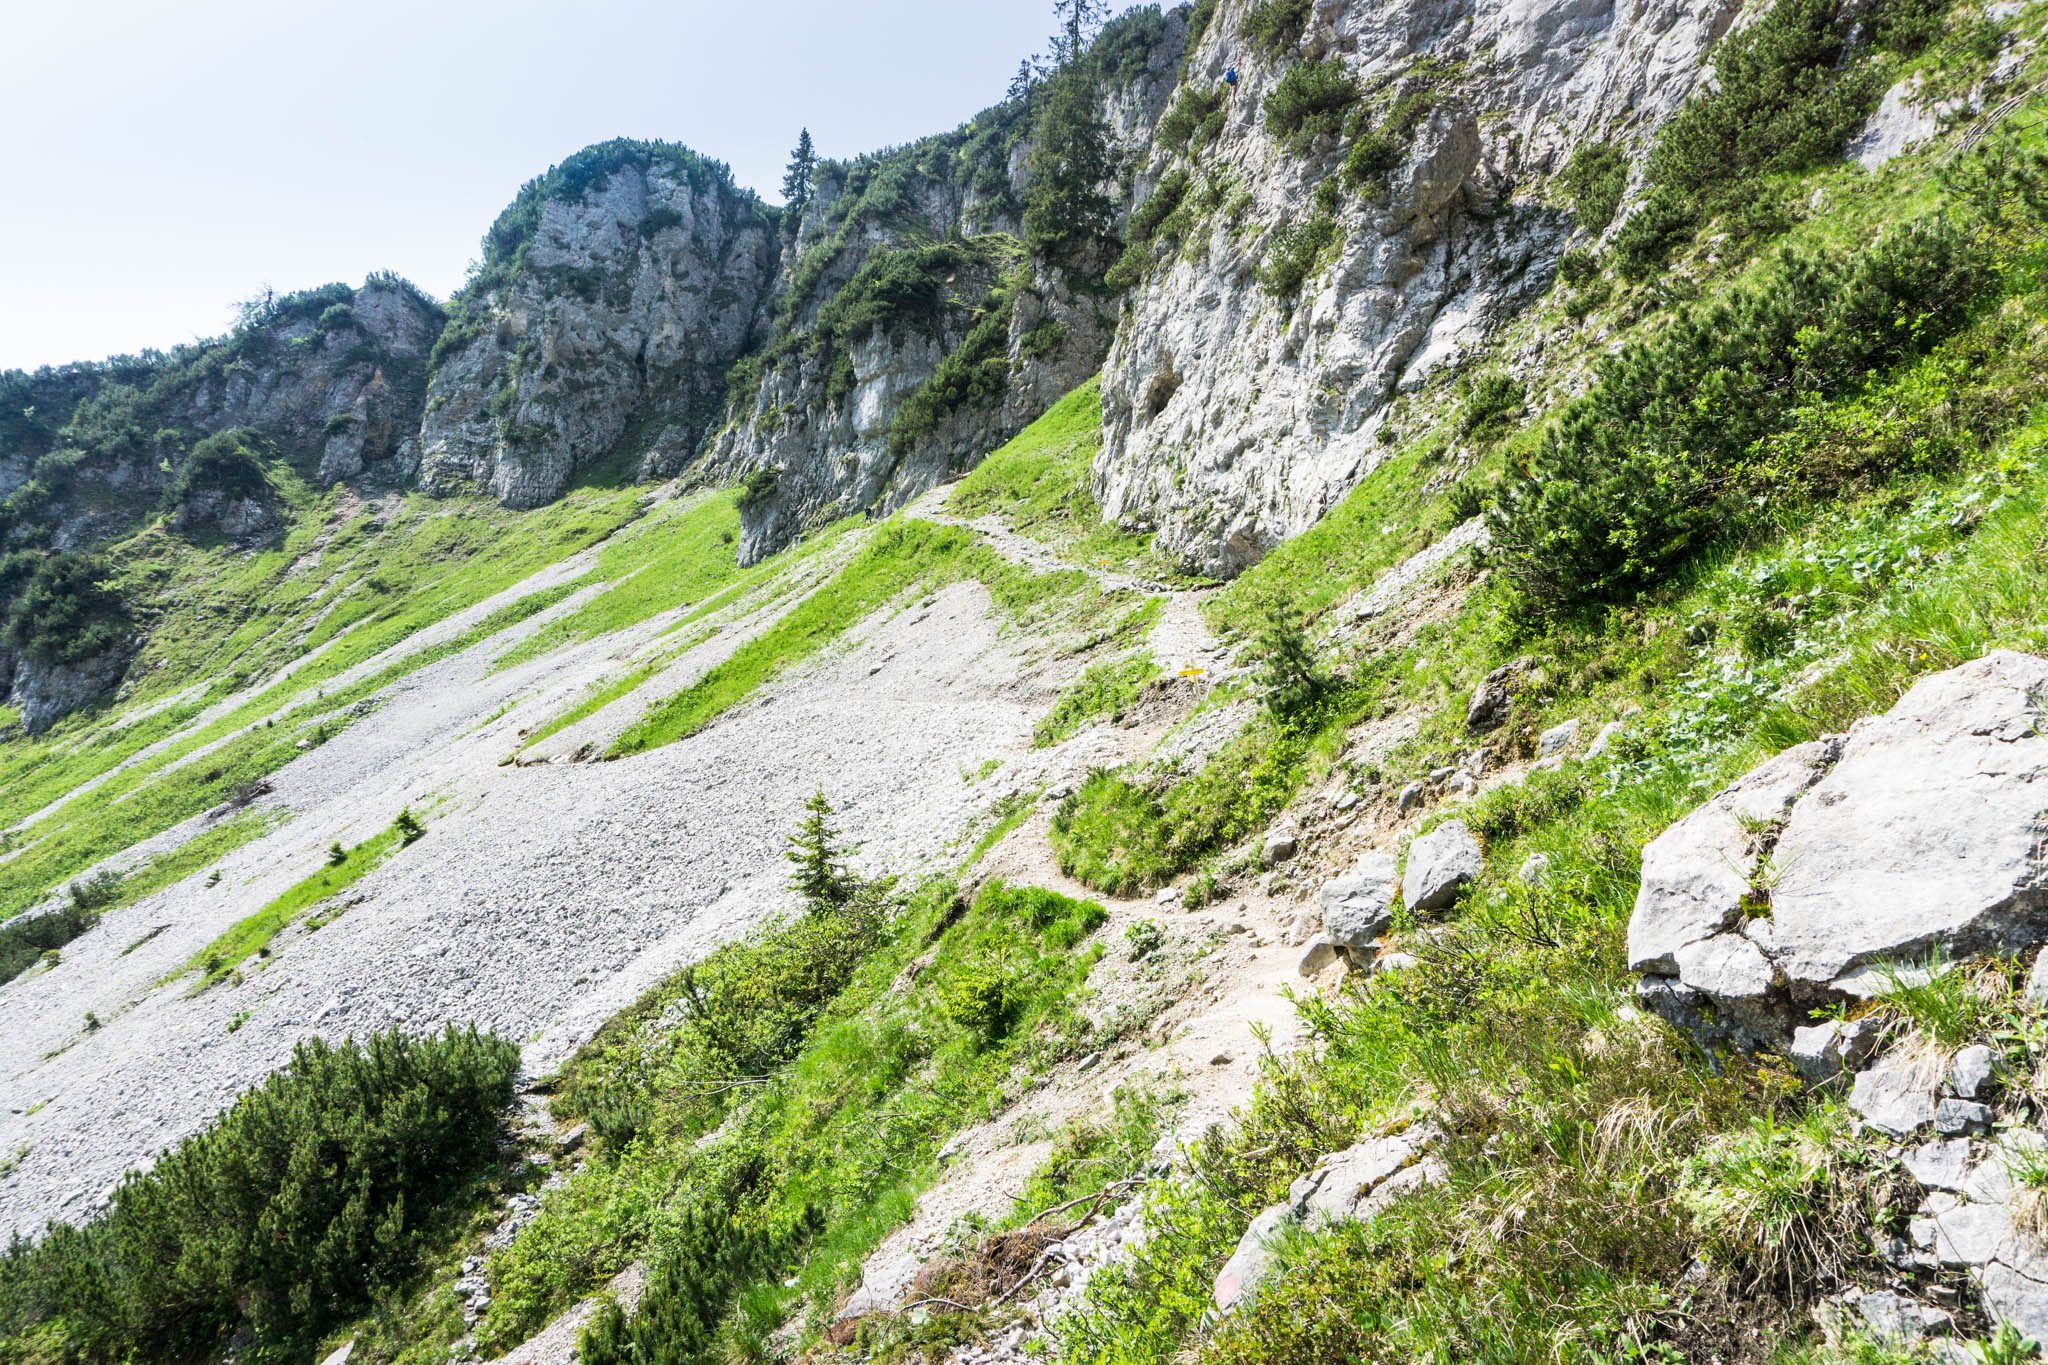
1788,91
1381,141
1275,26
284,1217
974,375
1192,121
65,613
25,938
1593,182
1106,835
1144,226
1297,248
1661,456
1490,403
1103,690
1312,100
759,487
738,1014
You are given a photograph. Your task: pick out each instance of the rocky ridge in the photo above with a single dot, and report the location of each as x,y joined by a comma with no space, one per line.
617,292
820,415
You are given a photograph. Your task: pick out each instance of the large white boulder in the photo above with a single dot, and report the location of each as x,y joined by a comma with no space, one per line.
1919,832
1440,863
1359,906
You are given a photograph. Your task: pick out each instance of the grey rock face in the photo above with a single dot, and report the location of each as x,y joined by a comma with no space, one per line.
245,521
1967,1222
1896,1096
47,692
1897,1320
1254,1256
825,417
1917,832
1359,906
1490,700
1440,863
1927,832
1352,1185
1940,1165
347,387
614,328
1232,418
1900,124
1820,1052
1605,738
1558,738
1317,957
1969,1075
1697,873
1954,1116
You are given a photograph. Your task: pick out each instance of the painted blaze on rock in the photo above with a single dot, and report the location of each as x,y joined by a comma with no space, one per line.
1920,831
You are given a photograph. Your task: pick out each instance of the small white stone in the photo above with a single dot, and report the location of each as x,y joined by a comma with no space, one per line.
1969,1075
1558,738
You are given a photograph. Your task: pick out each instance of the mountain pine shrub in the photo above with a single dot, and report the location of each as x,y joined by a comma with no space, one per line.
1275,26
65,613
1667,451
1788,91
26,938
1311,100
282,1219
1594,181
975,375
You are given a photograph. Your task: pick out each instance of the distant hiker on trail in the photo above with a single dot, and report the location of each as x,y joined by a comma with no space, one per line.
1230,77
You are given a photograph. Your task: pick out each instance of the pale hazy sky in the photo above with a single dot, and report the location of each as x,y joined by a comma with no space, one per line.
164,158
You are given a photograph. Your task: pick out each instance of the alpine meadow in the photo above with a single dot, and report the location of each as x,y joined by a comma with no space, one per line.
1352,681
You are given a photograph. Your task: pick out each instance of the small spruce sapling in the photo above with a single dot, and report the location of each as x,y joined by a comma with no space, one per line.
820,877
1288,674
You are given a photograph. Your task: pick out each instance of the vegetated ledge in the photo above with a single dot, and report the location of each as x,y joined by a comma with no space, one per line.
251,936
902,553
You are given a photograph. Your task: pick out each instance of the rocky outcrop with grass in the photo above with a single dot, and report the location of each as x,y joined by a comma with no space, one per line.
1817,876
921,319
614,295
332,377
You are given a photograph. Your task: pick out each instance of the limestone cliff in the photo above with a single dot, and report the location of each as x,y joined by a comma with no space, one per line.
333,376
913,330
615,294
1305,276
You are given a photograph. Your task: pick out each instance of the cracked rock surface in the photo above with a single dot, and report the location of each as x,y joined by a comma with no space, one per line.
1918,832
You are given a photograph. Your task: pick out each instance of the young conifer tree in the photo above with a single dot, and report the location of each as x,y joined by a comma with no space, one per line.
820,877
801,177
1078,20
